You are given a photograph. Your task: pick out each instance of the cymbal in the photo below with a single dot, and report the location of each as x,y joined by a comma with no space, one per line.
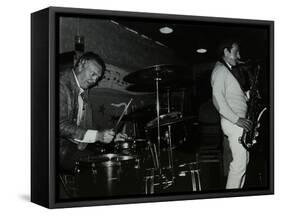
146,88
169,119
148,75
163,87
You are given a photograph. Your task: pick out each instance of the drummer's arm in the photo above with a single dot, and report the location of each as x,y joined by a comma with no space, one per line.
105,136
89,137
92,136
67,128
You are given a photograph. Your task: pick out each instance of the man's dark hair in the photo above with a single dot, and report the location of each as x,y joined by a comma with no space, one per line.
228,43
88,56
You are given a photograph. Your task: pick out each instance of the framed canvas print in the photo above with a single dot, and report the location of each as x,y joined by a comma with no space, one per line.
139,107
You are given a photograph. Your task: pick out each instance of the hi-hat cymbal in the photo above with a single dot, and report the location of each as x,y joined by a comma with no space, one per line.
169,119
167,73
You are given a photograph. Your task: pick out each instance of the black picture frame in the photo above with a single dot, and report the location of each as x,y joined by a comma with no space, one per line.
44,106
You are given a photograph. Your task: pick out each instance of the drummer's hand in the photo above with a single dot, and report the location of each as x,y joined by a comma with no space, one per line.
105,136
120,137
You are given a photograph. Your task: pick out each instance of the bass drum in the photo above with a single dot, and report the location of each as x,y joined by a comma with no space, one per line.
107,175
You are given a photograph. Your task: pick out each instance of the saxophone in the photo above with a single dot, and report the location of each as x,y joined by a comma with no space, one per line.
254,113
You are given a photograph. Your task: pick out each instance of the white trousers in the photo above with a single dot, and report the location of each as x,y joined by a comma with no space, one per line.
240,156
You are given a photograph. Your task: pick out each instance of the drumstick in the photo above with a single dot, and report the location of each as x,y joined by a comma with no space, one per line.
120,118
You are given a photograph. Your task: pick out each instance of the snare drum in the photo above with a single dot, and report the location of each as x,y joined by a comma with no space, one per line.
107,175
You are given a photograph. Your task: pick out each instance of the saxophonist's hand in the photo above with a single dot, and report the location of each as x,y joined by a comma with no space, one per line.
244,123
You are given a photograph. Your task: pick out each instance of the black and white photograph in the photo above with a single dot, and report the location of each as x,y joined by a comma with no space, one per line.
140,107
135,108
151,106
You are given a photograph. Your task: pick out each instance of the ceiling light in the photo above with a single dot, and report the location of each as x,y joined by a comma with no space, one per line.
166,30
201,50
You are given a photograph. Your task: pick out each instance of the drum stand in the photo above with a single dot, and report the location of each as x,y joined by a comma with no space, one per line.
160,176
170,151
157,176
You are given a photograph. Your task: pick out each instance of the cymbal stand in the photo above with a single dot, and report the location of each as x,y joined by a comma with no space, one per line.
157,79
170,151
134,122
162,178
153,152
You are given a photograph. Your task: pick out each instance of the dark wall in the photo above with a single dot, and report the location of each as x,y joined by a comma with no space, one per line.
115,44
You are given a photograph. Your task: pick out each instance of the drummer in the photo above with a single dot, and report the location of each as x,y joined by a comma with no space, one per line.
75,114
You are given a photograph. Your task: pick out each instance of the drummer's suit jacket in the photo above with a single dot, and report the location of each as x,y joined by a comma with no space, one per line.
68,109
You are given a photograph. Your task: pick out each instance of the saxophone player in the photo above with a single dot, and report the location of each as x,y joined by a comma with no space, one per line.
230,100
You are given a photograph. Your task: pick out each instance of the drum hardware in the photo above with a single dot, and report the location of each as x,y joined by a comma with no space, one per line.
191,168
155,75
165,73
111,167
151,180
153,151
135,126
169,133
170,119
169,74
158,78
166,120
158,179
150,89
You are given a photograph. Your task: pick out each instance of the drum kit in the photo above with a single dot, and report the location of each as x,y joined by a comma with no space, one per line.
111,174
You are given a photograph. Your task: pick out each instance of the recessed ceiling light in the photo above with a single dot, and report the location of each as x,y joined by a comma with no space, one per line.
201,50
166,30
